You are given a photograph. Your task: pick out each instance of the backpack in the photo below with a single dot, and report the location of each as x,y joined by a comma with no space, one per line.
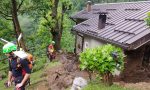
30,60
25,56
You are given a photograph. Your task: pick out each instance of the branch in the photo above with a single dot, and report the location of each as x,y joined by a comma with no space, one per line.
5,14
20,5
7,18
45,18
3,59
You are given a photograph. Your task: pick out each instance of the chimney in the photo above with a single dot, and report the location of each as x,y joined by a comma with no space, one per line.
102,21
89,6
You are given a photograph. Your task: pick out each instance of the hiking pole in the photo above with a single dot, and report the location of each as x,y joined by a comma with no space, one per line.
19,38
4,41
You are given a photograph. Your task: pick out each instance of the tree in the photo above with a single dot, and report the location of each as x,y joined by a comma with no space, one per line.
9,11
51,14
57,29
148,19
5,31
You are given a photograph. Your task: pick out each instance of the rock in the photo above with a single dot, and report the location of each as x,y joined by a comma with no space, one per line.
62,76
63,59
63,88
78,83
54,87
75,67
67,81
52,78
60,51
61,71
69,67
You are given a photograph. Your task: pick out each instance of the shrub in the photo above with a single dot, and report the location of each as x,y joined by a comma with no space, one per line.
104,59
39,64
148,19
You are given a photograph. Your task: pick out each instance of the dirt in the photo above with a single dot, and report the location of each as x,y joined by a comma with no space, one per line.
62,76
135,86
139,86
135,71
136,74
40,86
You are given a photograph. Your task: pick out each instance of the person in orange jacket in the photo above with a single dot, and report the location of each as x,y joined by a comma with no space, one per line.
51,51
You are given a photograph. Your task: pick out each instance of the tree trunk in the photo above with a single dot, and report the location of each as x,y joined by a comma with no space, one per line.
90,75
62,18
107,79
15,28
56,32
16,23
57,39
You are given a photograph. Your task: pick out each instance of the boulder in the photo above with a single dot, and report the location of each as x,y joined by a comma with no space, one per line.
78,83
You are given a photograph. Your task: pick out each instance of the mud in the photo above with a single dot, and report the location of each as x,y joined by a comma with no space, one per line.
135,71
61,77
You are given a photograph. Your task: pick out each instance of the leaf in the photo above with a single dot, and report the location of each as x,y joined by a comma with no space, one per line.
101,59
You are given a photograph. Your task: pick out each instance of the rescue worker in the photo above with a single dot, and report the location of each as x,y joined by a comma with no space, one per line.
51,51
16,68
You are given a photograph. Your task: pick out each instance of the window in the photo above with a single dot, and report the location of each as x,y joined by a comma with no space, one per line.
86,45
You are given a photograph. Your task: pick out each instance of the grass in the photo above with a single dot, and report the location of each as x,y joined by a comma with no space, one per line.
35,77
100,86
94,85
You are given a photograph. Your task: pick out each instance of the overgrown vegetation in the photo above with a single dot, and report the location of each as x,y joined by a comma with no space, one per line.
104,60
148,19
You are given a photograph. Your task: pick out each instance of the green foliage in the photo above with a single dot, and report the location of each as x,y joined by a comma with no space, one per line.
148,19
67,44
39,64
47,19
6,32
68,39
4,68
101,59
5,8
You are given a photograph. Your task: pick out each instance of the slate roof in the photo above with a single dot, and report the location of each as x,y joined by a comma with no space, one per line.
125,25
